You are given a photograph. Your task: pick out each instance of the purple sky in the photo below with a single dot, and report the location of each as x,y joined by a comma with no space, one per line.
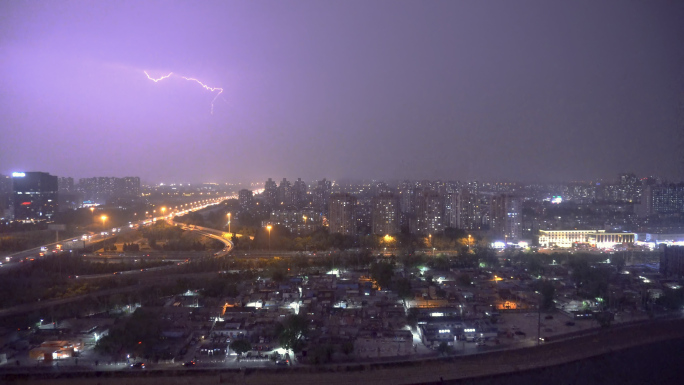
487,90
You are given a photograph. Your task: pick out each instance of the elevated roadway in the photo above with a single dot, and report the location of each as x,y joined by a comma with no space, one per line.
84,241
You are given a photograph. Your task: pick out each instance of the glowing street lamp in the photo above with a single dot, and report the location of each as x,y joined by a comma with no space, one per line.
269,238
104,218
228,223
468,241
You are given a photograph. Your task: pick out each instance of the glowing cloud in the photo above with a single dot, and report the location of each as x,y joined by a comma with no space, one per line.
206,87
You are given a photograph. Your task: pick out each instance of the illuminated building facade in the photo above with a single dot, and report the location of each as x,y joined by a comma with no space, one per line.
101,189
469,210
595,238
341,218
34,196
298,222
429,213
385,215
245,199
506,216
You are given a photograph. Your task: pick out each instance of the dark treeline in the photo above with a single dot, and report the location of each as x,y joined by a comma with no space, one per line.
55,277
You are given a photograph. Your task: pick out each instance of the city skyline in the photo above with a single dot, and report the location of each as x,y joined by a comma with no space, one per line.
534,91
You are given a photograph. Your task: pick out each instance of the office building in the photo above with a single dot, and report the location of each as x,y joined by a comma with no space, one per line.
594,238
35,196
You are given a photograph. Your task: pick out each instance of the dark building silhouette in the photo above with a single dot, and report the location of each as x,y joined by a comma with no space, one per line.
672,260
270,192
34,196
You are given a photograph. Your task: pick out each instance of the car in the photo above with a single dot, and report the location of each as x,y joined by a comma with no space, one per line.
189,363
519,333
544,339
138,365
570,323
282,362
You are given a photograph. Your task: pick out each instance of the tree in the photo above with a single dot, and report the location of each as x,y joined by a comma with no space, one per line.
547,291
444,348
348,347
240,346
463,280
292,331
412,317
323,354
486,256
404,288
382,273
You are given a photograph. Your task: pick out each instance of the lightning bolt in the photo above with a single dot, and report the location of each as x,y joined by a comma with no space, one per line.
206,87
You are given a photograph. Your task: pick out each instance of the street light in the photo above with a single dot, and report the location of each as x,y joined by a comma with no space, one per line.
228,223
104,242
269,238
468,242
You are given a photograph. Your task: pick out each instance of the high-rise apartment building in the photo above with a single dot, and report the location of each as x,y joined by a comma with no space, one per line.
66,185
321,195
429,217
341,218
270,193
506,216
285,194
470,215
662,199
101,189
363,213
451,209
299,195
245,199
385,214
34,196
298,222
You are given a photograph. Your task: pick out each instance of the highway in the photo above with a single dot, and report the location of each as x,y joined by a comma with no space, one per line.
82,242
147,276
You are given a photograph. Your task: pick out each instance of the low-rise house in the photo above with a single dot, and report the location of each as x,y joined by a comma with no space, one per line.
383,344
